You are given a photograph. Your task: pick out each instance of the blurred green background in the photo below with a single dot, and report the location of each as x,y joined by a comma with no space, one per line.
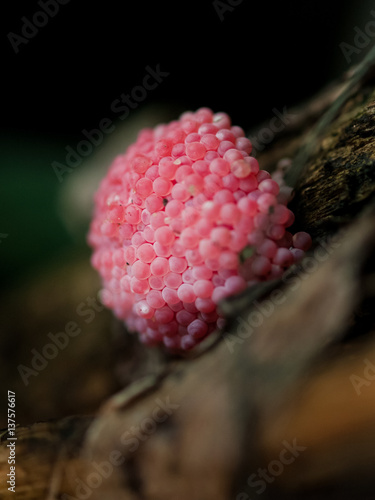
36,236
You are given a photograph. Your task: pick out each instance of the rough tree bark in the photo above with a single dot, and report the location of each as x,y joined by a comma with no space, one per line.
282,402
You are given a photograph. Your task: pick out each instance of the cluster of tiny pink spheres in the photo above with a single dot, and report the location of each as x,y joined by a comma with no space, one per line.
184,219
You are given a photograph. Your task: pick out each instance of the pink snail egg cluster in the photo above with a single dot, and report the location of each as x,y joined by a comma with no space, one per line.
184,219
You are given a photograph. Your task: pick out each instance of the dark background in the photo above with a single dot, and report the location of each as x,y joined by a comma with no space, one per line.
262,55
